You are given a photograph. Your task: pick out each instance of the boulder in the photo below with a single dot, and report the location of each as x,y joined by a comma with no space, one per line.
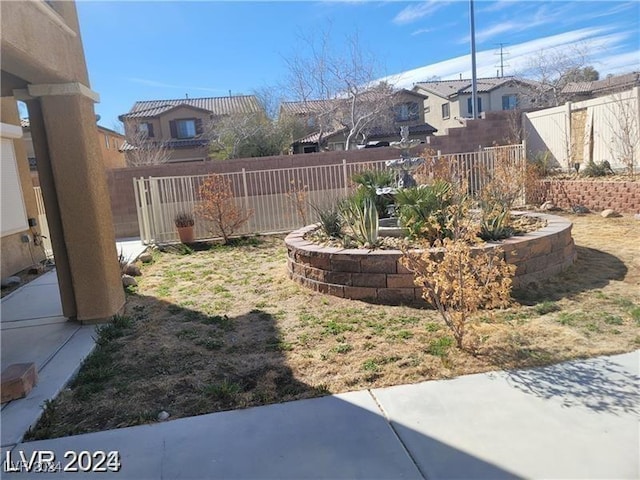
609,213
146,257
132,269
129,281
162,416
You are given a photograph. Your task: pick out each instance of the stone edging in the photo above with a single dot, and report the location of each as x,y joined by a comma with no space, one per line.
378,276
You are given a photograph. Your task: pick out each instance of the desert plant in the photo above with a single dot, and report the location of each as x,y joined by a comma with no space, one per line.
495,224
184,219
361,219
600,169
330,220
372,180
422,209
218,206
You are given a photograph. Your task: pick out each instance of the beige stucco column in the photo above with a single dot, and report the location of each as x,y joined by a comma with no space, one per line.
77,201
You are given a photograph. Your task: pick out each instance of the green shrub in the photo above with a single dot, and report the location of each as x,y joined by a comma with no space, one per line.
370,181
599,169
423,210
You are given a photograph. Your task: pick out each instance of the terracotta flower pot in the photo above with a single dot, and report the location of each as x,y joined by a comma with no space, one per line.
186,234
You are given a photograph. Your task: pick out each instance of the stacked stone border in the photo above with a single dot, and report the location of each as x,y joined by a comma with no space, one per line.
597,195
378,276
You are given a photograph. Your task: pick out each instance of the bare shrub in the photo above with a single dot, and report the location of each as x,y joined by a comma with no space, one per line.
218,206
456,279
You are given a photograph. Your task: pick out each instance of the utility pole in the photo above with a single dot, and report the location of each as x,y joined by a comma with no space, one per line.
502,54
474,80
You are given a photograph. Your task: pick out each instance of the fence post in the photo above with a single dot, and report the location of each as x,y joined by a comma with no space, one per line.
246,190
344,172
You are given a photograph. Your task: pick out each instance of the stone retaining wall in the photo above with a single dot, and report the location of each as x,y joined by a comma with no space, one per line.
596,195
378,276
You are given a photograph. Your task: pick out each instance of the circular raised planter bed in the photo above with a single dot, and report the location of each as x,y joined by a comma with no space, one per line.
377,275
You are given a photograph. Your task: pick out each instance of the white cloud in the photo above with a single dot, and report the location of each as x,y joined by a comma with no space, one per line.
417,11
603,46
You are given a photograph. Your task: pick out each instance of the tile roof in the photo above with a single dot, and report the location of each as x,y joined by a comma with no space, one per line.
215,105
187,143
302,108
449,88
618,82
421,128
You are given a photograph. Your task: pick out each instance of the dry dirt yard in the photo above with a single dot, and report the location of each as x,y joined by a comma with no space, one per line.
224,328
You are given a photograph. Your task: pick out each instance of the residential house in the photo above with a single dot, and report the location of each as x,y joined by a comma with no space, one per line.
577,91
180,124
405,110
447,102
110,144
43,65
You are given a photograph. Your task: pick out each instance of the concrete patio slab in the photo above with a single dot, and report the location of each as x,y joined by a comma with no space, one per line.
18,345
341,436
32,301
573,420
18,415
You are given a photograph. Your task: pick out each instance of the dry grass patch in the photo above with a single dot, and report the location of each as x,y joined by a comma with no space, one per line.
225,328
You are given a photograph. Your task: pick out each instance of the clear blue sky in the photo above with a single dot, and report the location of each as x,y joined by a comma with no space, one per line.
161,50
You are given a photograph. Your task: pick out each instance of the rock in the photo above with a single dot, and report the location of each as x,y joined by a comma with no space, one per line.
549,206
129,281
162,416
132,269
579,209
145,257
609,213
10,281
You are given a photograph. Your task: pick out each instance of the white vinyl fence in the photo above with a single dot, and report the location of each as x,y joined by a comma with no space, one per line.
609,130
279,200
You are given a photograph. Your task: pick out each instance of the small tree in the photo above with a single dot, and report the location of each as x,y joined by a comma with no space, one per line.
218,206
458,280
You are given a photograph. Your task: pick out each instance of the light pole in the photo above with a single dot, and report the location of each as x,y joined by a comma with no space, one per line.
474,86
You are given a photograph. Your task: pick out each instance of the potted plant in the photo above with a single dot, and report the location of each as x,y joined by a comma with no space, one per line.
184,223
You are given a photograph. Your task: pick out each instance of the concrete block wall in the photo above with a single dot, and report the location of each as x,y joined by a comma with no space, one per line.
596,195
482,132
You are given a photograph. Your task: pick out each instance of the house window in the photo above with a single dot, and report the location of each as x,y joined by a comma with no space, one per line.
427,109
186,128
469,105
445,110
406,111
509,102
146,129
335,146
311,122
106,141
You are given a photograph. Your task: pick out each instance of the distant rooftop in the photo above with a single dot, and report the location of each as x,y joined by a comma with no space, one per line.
448,88
610,84
215,105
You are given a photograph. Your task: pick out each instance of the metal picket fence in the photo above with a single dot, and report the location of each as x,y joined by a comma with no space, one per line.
280,200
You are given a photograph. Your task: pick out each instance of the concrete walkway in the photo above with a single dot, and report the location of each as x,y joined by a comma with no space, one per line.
32,329
574,420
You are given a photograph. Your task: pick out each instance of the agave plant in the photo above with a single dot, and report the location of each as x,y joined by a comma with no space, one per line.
361,218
